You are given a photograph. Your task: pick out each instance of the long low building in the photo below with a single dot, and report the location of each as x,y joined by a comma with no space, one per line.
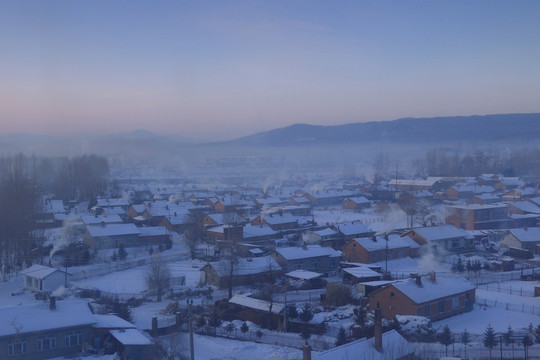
432,297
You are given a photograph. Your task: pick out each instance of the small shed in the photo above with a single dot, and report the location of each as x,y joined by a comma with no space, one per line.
133,344
44,278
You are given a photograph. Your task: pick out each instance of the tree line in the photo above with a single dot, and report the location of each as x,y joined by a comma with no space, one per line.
24,182
442,162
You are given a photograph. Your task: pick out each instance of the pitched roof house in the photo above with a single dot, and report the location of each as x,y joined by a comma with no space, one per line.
434,297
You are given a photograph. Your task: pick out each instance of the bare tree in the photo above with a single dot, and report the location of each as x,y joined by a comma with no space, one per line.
158,277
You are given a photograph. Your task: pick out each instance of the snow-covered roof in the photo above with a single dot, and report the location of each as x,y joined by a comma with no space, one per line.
361,272
113,230
131,337
443,286
359,200
153,231
436,233
111,321
487,197
526,206
112,202
325,232
394,242
246,266
477,189
252,231
535,200
532,234
54,206
309,251
96,220
353,228
394,346
303,274
332,194
280,219
139,208
413,182
38,317
257,304
40,271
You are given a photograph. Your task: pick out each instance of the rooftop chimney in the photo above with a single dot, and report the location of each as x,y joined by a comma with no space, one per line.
378,329
374,238
52,303
419,280
154,326
306,351
432,277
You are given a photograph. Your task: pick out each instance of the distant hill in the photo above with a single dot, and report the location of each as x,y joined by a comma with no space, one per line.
509,127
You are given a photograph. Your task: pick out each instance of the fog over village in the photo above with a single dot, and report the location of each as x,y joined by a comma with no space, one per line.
269,180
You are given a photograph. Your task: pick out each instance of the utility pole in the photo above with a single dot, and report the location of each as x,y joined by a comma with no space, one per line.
190,327
285,308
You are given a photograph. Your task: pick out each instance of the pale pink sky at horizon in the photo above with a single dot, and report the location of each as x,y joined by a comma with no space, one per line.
220,70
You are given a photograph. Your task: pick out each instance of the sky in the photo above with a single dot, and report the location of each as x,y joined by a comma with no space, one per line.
219,70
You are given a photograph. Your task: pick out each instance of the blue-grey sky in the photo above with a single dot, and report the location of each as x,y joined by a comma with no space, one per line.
222,69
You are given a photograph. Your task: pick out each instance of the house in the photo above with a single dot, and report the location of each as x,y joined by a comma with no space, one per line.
374,249
328,197
392,346
358,274
224,233
413,184
101,219
351,230
309,257
477,217
355,203
153,235
258,234
325,236
269,314
519,194
465,192
277,222
178,222
244,271
523,208
508,183
447,238
526,238
44,278
44,331
221,219
484,199
111,236
133,344
434,297
297,210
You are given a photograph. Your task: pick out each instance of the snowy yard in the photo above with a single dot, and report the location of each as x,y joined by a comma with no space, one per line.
477,320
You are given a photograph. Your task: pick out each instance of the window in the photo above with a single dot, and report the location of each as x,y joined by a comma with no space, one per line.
316,265
74,338
17,348
427,310
455,302
392,294
46,343
441,306
455,243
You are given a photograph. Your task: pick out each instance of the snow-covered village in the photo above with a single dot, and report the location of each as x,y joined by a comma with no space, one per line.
269,180
329,266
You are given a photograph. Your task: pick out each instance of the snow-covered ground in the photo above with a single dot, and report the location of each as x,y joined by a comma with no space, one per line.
477,320
214,348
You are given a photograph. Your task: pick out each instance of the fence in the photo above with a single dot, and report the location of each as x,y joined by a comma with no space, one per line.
529,309
430,352
84,272
488,278
507,289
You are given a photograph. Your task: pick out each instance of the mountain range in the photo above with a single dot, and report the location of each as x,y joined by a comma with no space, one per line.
437,130
486,128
